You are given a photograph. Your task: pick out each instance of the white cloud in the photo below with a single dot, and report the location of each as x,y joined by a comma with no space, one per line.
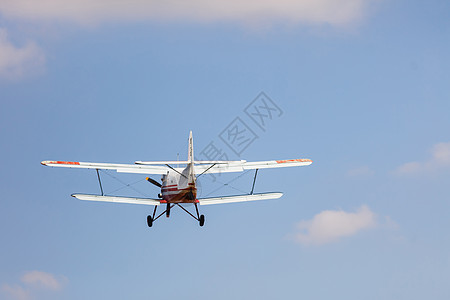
15,292
32,283
440,159
335,12
331,225
19,62
41,279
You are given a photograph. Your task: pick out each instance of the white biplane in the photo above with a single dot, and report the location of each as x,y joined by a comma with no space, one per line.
179,184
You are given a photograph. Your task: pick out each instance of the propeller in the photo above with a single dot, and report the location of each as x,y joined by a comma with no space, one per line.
153,182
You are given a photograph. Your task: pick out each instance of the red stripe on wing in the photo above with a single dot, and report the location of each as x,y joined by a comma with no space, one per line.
293,160
65,162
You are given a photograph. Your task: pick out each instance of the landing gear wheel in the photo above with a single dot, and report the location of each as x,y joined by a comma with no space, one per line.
149,221
201,220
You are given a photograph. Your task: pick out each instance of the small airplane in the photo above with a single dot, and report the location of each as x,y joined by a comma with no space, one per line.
179,184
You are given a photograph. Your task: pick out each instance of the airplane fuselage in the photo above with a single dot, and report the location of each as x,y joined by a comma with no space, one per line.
179,187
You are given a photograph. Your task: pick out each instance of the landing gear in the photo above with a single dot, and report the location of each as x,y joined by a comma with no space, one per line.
168,210
153,218
149,221
200,218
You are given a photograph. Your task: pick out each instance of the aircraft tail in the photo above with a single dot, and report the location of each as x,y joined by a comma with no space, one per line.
191,148
190,166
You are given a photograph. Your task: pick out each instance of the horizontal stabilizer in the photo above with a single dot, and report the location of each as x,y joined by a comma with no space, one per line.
184,162
240,198
117,199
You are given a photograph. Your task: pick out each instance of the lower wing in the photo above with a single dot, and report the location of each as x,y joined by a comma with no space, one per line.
203,201
117,199
240,198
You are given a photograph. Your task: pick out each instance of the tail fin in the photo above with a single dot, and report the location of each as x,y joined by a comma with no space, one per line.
191,148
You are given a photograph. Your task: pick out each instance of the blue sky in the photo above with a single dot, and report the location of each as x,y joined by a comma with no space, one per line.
363,86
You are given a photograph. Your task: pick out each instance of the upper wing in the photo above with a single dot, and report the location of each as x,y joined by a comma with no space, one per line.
123,168
242,166
205,168
117,199
240,198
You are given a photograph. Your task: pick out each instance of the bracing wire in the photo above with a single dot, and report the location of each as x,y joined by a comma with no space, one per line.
130,185
228,184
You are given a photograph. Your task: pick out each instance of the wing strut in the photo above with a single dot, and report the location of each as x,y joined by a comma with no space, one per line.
176,171
99,181
205,171
254,181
